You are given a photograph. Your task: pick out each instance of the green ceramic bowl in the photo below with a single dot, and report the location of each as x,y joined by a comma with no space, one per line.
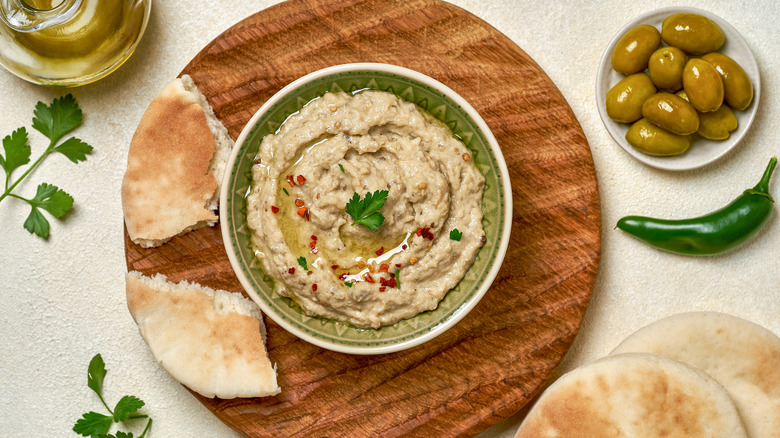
439,101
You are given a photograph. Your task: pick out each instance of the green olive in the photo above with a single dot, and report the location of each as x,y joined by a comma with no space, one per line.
666,66
671,113
718,124
693,33
736,83
625,99
652,140
703,85
633,50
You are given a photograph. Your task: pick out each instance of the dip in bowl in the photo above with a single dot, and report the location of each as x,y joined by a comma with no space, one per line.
366,208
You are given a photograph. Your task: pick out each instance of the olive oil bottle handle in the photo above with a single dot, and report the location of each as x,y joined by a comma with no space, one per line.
32,15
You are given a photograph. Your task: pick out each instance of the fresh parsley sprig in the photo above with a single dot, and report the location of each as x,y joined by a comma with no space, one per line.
54,121
366,211
96,425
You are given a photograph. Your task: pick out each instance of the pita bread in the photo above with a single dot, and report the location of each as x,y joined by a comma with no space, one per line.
212,341
742,356
633,395
174,166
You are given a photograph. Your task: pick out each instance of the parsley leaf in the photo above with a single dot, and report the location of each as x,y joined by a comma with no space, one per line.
398,278
126,406
456,235
342,168
51,199
57,119
37,224
53,121
75,149
17,152
366,211
96,373
349,283
93,423
302,262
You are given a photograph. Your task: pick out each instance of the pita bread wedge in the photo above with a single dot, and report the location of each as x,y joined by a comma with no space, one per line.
634,395
174,166
742,356
212,341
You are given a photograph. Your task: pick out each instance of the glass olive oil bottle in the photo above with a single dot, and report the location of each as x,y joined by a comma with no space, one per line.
69,42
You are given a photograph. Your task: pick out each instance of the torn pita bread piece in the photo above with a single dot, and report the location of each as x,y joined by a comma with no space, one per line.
635,395
742,356
175,165
212,341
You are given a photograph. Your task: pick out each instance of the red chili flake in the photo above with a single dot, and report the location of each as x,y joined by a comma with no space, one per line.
306,215
367,276
312,244
380,251
397,265
302,211
343,276
384,267
290,180
334,267
403,247
382,281
291,270
315,250
299,203
382,289
425,233
314,287
392,283
274,209
301,180
313,237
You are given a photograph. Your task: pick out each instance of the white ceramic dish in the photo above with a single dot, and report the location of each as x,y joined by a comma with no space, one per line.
702,151
442,103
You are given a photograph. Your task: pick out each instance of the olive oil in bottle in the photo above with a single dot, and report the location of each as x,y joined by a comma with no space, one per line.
76,42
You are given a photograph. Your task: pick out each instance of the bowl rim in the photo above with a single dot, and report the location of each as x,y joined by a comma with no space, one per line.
502,246
678,163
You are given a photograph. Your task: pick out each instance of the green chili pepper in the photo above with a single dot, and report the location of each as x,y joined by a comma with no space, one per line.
712,233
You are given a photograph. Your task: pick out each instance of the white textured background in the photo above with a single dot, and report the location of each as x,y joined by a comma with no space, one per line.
63,300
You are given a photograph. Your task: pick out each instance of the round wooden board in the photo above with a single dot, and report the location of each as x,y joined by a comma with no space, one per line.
496,359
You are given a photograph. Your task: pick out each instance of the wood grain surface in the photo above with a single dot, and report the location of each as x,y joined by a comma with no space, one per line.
497,358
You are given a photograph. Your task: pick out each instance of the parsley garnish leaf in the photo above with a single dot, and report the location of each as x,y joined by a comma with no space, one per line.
37,224
456,235
302,262
366,211
75,149
58,119
349,283
342,168
53,121
96,425
96,373
126,406
17,152
51,199
92,424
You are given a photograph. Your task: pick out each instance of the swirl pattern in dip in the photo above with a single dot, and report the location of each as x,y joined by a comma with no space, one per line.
306,173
